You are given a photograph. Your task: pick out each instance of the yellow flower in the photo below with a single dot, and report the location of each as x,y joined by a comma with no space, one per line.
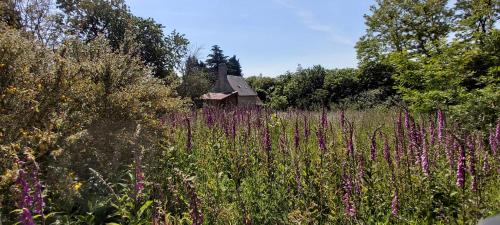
11,89
76,186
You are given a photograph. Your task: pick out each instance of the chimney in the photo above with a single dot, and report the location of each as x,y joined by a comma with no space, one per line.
222,71
221,78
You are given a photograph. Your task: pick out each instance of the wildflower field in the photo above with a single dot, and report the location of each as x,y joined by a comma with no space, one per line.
252,166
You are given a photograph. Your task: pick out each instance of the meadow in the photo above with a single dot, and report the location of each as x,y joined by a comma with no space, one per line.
254,166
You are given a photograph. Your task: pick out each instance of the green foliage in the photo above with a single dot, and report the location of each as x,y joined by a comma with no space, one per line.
316,87
233,66
79,104
215,58
431,71
91,18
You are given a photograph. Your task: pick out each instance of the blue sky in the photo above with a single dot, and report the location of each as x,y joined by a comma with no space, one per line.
268,36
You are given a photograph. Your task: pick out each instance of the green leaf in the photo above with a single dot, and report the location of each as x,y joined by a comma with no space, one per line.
144,207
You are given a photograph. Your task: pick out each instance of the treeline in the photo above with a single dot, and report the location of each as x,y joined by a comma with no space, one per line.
422,54
317,87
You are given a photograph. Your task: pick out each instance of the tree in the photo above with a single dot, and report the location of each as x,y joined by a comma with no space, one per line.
9,14
399,25
90,18
215,58
233,66
476,18
195,79
162,53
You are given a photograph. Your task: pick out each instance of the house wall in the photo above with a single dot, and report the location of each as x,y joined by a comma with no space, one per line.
248,100
226,102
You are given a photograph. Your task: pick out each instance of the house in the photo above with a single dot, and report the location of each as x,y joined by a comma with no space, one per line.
230,90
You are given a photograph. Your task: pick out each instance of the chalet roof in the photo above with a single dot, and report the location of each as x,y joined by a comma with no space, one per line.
239,85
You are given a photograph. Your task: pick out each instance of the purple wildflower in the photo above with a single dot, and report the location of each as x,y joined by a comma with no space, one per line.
486,164
424,156
189,144
395,204
441,125
321,139
350,142
233,128
194,204
296,135
407,120
387,152
342,120
361,166
400,133
451,146
432,132
472,167
26,217
397,146
139,175
350,209
497,131
38,198
373,146
283,146
493,143
324,119
267,140
307,130
26,200
461,168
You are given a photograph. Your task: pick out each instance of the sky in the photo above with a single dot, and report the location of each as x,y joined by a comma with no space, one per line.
269,37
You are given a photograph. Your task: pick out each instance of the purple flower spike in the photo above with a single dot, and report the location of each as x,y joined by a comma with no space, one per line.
296,135
350,209
461,168
189,144
387,152
38,198
424,156
395,204
441,125
321,139
493,143
26,199
472,167
432,132
26,217
373,146
486,164
324,119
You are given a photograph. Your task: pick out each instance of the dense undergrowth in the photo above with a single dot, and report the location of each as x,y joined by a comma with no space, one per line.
251,166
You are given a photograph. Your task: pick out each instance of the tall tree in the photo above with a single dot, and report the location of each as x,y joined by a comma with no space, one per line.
476,18
233,66
112,18
215,58
400,25
195,79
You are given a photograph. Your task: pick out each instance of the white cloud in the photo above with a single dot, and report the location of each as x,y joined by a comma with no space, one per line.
311,22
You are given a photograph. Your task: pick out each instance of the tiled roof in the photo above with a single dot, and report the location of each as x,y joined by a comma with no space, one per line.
216,96
239,84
